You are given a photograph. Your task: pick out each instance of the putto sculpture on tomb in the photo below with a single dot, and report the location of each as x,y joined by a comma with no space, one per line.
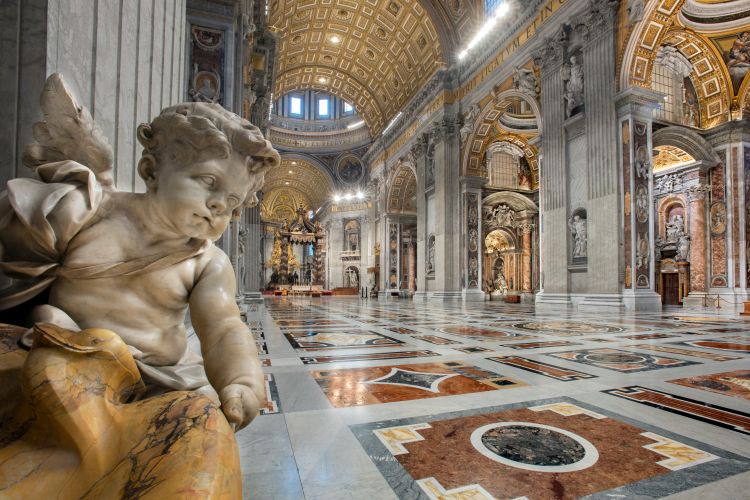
132,263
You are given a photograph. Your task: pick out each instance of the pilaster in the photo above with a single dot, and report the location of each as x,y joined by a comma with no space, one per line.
471,229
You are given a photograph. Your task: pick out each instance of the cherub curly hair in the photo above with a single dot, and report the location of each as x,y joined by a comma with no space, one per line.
189,131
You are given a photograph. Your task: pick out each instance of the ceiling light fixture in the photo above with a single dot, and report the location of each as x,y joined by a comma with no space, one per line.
356,124
291,172
322,80
286,183
336,198
294,163
360,195
334,39
501,10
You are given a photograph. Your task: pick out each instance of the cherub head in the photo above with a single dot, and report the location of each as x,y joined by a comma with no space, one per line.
202,165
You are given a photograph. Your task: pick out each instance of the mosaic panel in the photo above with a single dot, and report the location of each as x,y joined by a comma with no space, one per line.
735,383
386,384
313,341
546,449
622,361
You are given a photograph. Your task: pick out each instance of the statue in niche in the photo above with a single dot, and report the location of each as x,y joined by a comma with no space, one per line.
675,228
468,124
134,262
573,74
636,10
577,226
524,80
683,247
500,284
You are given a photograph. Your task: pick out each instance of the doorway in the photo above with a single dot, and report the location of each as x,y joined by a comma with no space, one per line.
671,289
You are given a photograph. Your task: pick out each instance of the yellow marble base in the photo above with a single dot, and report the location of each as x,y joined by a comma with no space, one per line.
70,432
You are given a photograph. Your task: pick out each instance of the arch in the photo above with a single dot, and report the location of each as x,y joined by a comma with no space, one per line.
402,190
306,176
710,74
687,140
485,130
516,201
666,205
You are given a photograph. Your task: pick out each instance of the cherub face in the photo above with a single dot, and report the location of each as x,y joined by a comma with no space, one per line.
197,200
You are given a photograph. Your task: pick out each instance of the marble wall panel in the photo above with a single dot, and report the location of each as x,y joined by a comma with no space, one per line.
735,206
643,246
627,203
717,226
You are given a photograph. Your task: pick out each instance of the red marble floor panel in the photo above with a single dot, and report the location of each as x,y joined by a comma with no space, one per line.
735,383
434,339
720,344
536,453
713,414
685,352
540,368
313,360
540,345
386,384
648,336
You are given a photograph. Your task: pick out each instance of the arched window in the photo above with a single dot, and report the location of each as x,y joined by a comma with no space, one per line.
503,165
671,77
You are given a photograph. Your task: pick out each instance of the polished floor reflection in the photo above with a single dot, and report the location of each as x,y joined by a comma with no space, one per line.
384,399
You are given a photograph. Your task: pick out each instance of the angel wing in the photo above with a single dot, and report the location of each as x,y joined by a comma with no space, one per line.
68,132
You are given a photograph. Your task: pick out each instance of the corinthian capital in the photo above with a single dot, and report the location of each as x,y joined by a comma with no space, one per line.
600,18
526,227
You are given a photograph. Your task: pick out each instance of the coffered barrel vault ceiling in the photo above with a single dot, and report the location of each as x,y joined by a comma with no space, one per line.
296,182
374,54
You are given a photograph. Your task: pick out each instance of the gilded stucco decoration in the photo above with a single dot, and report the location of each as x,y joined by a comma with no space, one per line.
670,157
402,193
707,45
375,54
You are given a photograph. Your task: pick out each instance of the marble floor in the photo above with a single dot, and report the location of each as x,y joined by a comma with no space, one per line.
385,399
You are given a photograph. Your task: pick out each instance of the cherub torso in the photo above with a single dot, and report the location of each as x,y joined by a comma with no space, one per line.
147,310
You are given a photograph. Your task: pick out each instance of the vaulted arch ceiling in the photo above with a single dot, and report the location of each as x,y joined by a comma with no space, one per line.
302,176
403,190
375,54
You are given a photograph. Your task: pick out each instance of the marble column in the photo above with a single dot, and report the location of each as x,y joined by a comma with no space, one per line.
634,110
526,252
552,172
597,30
252,255
418,150
448,243
412,266
698,235
471,229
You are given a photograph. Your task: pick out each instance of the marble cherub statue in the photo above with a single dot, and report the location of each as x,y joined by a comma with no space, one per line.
133,263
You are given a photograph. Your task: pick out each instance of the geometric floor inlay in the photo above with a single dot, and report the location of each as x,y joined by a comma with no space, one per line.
386,384
541,449
624,361
735,384
540,368
713,414
313,341
685,352
314,360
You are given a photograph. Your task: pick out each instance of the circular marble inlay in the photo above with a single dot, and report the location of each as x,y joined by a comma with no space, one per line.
536,447
614,357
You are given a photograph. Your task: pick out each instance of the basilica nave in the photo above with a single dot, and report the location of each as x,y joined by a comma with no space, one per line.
504,254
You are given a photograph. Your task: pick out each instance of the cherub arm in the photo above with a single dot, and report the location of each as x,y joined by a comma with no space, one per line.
229,353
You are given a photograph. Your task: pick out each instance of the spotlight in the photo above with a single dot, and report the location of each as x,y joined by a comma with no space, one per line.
360,195
336,198
348,196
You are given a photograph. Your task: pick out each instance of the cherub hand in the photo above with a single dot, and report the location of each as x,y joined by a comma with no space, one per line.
239,404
